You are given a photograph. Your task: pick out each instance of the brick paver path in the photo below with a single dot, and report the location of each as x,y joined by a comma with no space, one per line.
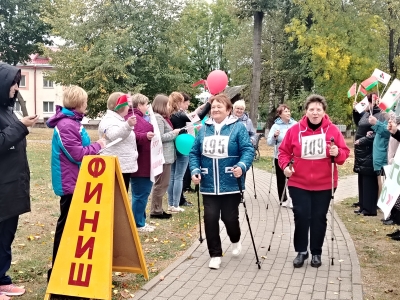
239,278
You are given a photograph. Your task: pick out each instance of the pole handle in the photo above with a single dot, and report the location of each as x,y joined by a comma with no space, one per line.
332,144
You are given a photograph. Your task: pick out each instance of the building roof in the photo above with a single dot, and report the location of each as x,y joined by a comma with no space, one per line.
232,91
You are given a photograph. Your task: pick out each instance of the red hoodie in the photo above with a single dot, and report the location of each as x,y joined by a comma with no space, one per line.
312,174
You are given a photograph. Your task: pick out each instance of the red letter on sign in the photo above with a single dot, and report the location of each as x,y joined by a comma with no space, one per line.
80,250
89,221
89,195
79,281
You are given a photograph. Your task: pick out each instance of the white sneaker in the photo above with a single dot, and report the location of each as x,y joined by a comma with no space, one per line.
236,248
290,203
150,226
174,209
146,228
215,263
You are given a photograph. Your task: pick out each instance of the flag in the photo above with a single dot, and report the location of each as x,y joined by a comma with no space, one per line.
392,94
352,91
360,107
369,83
362,91
381,76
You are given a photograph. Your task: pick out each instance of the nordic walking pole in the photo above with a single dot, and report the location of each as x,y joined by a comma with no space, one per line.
272,172
254,183
239,181
280,205
332,193
196,187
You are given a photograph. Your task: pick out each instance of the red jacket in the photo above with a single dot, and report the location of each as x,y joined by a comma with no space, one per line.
315,174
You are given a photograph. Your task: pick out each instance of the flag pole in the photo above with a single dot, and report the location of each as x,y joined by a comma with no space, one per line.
377,88
384,89
355,96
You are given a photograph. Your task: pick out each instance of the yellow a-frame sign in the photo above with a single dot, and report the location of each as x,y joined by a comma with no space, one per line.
100,234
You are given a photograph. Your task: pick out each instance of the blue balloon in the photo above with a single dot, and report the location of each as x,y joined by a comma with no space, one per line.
184,143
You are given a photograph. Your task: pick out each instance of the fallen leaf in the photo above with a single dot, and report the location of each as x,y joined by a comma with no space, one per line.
263,257
124,294
183,245
30,238
155,239
340,279
115,292
117,273
162,277
331,282
340,260
392,252
146,240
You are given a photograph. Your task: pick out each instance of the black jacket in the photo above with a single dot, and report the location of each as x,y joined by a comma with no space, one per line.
363,151
14,169
180,118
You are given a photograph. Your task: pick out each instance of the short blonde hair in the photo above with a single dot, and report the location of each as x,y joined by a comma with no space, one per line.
175,99
139,99
112,100
74,96
160,105
239,103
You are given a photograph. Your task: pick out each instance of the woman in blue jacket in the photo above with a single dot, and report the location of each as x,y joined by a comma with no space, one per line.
221,144
275,137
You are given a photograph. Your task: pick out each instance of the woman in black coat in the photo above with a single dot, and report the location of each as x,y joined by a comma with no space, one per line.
14,181
367,178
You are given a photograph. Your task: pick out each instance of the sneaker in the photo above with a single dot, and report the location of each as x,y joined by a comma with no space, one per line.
174,209
4,297
164,215
215,263
236,248
146,228
11,290
397,232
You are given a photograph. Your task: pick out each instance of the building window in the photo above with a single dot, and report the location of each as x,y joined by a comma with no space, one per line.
22,83
48,107
47,83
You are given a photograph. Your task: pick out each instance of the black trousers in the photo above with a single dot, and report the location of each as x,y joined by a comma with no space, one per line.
8,228
65,203
127,180
280,181
226,206
368,193
309,209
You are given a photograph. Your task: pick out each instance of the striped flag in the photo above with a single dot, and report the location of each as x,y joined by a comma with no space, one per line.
352,91
381,76
392,94
362,91
369,83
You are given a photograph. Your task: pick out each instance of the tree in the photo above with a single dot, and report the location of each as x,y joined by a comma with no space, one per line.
22,32
257,9
115,46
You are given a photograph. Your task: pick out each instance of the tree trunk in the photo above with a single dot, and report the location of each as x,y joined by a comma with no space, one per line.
22,104
272,92
256,80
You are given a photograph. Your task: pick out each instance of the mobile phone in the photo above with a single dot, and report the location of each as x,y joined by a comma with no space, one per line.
31,118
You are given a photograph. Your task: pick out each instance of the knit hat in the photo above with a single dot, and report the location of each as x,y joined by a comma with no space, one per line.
121,102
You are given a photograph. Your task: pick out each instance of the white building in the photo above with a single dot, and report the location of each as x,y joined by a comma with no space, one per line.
41,95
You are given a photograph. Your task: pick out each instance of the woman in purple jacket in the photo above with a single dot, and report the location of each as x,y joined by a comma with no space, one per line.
140,181
69,145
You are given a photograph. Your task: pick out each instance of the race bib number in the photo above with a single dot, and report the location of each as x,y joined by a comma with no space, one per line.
313,147
215,146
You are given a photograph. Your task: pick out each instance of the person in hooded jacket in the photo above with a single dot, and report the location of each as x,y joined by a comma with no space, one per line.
14,184
363,158
70,144
239,108
221,153
275,137
310,177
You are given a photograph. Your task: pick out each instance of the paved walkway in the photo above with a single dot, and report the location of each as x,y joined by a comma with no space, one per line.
239,278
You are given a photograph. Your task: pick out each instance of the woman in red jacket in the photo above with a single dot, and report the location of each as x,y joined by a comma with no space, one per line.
310,177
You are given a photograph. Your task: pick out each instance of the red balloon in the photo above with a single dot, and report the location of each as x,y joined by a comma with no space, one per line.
217,81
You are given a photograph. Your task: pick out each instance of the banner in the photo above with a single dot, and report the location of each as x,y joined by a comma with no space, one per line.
391,187
156,148
381,76
390,97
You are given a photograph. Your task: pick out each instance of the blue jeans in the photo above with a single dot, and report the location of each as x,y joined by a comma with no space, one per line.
141,188
7,232
178,170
